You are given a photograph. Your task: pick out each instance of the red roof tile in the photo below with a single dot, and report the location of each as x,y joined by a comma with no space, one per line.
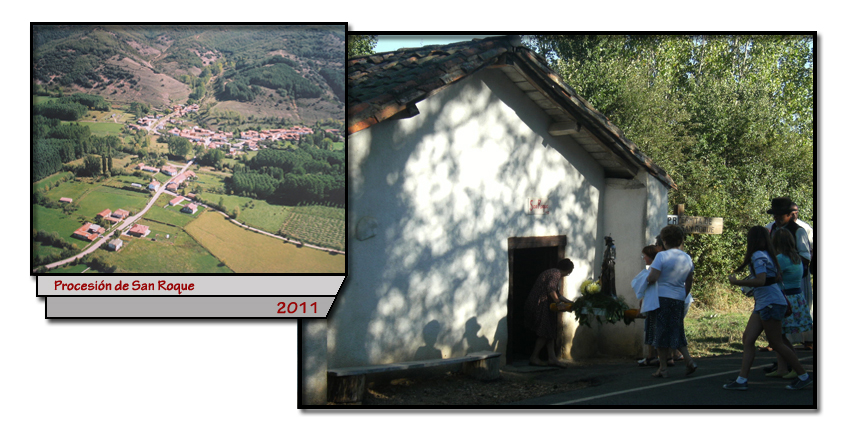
384,84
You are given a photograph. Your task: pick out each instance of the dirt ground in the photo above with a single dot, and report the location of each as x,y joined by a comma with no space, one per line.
454,389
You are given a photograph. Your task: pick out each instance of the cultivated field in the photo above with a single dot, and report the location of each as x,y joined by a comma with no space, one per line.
318,225
158,253
244,251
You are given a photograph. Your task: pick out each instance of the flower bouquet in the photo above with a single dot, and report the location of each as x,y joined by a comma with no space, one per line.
592,302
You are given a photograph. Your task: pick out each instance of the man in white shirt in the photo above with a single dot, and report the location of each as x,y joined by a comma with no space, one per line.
793,214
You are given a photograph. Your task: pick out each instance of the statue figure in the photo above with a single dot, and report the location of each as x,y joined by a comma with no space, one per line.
607,270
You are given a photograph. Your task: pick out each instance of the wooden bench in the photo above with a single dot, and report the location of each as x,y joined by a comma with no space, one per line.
346,384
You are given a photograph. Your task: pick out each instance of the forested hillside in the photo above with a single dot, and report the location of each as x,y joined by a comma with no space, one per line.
164,65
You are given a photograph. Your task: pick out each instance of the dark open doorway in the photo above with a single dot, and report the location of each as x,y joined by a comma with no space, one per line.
527,258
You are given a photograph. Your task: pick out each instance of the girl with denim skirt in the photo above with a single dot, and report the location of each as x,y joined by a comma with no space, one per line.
769,310
799,321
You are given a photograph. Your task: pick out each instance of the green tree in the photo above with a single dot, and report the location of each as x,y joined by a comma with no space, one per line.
361,45
178,146
729,117
92,165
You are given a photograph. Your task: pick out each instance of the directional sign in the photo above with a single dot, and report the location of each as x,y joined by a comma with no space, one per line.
697,224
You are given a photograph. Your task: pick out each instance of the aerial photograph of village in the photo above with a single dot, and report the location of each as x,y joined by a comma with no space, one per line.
188,149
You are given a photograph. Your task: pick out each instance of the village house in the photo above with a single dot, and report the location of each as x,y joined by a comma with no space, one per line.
103,214
176,200
115,244
168,170
154,185
480,169
146,168
88,231
178,179
139,230
171,186
190,208
65,200
120,213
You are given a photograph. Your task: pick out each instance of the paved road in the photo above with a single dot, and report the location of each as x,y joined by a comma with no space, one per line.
122,226
628,386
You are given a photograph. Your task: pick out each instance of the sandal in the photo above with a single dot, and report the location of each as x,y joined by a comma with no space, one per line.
661,374
645,362
670,362
691,368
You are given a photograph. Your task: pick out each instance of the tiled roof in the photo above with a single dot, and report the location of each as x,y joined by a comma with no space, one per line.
389,84
384,84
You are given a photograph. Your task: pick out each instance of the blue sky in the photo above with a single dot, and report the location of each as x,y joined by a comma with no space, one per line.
394,42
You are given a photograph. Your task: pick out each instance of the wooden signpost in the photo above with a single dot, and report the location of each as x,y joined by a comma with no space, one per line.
696,224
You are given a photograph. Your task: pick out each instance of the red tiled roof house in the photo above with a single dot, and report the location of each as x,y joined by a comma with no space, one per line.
88,231
189,208
139,230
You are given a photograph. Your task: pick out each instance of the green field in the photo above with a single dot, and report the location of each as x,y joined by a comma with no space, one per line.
42,99
158,253
104,197
262,215
91,199
71,189
169,214
52,180
248,252
100,128
54,220
208,179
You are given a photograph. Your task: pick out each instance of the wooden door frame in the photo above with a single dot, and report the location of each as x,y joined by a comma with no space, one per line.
515,243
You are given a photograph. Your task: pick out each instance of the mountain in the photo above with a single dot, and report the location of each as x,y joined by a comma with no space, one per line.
291,72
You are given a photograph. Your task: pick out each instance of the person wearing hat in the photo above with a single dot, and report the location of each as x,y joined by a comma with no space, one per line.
782,209
794,217
784,213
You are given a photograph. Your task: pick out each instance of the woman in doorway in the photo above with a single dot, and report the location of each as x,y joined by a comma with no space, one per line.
769,309
538,316
673,270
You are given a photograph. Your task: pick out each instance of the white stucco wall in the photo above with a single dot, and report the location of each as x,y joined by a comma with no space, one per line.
314,361
442,192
